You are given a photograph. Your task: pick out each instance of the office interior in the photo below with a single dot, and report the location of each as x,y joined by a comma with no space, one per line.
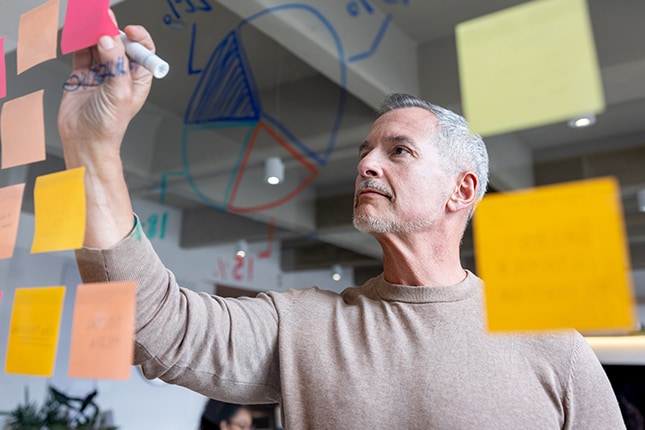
308,76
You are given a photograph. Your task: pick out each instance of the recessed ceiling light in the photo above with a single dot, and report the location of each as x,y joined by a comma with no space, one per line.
582,121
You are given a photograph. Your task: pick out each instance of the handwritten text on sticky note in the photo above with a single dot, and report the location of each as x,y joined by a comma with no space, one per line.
34,329
59,211
103,331
555,257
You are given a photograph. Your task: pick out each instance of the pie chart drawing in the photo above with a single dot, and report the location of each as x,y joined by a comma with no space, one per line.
226,99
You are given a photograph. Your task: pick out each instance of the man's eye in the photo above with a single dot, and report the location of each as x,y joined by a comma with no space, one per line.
400,150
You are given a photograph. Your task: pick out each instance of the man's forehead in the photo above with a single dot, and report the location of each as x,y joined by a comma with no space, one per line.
403,124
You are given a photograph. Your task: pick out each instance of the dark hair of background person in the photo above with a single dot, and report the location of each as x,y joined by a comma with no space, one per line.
216,411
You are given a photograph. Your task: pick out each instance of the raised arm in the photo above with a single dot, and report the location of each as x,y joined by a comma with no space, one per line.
100,98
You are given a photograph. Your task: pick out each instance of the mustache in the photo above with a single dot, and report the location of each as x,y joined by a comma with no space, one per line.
375,185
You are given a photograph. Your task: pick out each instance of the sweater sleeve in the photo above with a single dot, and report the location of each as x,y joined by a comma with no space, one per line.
590,400
221,347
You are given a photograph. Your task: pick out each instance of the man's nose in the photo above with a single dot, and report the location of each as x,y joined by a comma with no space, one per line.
370,165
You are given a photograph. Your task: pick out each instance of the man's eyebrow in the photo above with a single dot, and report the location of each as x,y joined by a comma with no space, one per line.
395,138
399,138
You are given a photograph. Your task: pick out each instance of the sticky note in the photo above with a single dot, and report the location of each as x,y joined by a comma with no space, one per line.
529,65
59,211
23,130
103,331
34,329
10,206
3,70
37,35
555,257
85,22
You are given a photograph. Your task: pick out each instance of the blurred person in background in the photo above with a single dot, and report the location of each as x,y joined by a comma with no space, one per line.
225,416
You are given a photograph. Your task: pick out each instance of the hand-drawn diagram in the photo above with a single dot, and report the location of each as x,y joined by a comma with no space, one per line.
226,99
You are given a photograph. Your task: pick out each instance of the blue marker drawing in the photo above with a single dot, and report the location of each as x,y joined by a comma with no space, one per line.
226,96
226,91
375,43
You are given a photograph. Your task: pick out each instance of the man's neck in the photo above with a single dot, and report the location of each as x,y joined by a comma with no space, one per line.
421,261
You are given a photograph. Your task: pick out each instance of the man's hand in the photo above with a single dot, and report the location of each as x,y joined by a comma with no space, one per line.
103,93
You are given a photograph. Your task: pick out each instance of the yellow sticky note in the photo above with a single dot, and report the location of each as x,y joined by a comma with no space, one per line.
103,331
33,332
59,211
555,257
529,65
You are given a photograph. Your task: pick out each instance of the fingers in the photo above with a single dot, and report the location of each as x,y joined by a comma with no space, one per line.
138,33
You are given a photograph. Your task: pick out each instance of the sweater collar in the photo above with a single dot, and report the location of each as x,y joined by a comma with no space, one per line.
427,294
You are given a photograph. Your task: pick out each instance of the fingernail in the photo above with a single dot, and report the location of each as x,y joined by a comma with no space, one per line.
106,42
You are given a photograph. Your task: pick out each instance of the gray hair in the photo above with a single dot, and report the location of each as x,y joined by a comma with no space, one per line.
462,149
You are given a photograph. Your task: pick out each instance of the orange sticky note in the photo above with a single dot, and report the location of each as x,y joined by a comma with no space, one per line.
59,211
23,130
555,257
10,205
85,22
33,332
3,70
37,35
103,331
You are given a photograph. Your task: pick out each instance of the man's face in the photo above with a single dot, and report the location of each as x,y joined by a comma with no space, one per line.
401,186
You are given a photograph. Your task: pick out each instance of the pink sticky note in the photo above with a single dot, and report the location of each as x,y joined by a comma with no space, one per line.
3,70
23,130
10,205
85,22
37,35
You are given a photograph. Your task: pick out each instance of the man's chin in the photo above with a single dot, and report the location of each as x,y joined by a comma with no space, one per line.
370,225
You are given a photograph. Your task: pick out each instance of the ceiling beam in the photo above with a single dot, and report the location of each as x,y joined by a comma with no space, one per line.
377,56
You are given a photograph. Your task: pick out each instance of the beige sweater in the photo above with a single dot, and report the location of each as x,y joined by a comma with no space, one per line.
374,357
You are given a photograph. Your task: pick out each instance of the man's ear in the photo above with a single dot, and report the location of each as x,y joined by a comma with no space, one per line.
465,193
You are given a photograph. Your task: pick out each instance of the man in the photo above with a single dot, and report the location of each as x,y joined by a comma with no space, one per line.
409,349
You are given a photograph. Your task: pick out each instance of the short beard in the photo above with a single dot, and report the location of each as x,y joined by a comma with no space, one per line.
371,225
376,225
